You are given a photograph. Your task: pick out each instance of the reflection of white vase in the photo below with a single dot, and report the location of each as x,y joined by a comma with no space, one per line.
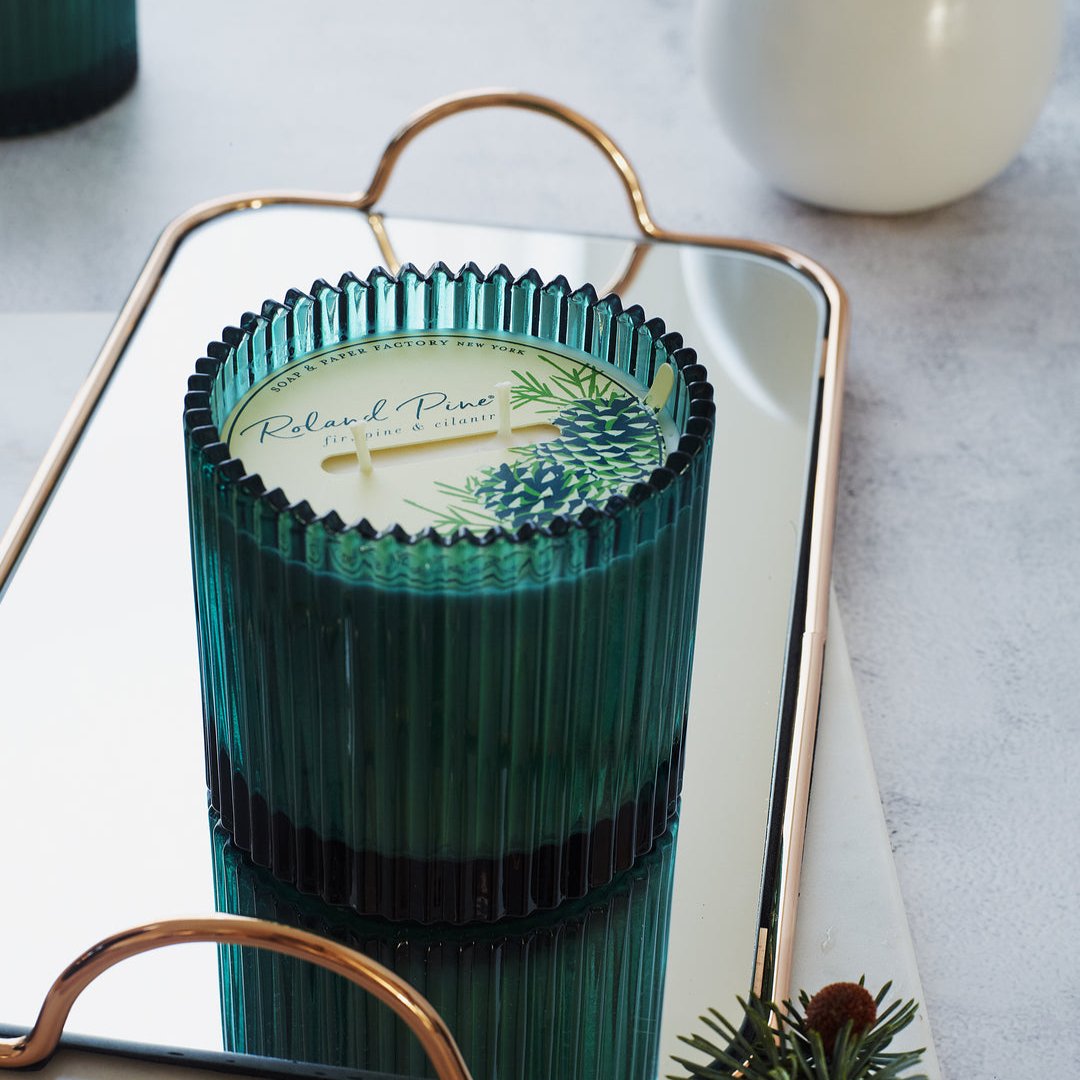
882,106
762,326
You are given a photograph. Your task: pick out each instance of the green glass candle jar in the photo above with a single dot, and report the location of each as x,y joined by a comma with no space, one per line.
62,60
574,994
446,536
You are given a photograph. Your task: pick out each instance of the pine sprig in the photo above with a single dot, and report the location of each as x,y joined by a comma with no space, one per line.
529,389
466,512
583,381
565,384
776,1042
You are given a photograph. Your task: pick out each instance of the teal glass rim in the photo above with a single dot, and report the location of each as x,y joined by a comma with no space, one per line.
469,300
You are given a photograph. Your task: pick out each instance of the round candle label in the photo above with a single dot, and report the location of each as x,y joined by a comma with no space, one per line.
449,429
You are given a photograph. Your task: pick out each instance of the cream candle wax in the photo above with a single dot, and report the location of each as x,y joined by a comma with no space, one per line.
450,430
445,675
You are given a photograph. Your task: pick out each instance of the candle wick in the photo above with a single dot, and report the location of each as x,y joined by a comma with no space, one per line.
502,407
662,385
363,454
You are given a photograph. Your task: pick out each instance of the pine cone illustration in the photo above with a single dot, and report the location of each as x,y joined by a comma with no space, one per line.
518,492
617,441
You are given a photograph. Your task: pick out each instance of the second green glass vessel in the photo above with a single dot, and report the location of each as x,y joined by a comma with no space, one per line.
62,60
449,725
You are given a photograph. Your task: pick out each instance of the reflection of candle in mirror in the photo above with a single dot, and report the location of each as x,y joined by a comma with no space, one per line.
451,429
519,996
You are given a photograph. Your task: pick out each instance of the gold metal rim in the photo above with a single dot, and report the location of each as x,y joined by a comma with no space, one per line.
824,492
414,1009
509,99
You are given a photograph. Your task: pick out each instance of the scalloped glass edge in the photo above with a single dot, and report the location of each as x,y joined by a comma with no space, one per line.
469,300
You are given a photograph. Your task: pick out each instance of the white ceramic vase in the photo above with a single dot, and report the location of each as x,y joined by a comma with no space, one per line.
879,106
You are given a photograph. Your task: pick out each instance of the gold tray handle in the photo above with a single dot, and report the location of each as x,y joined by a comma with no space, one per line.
13,542
421,1017
512,99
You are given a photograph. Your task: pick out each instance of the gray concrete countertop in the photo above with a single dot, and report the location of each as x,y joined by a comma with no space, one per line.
955,562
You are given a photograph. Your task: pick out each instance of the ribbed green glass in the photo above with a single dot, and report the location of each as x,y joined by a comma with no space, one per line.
61,60
573,994
445,728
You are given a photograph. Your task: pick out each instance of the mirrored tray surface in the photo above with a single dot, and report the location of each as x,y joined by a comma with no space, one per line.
105,791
